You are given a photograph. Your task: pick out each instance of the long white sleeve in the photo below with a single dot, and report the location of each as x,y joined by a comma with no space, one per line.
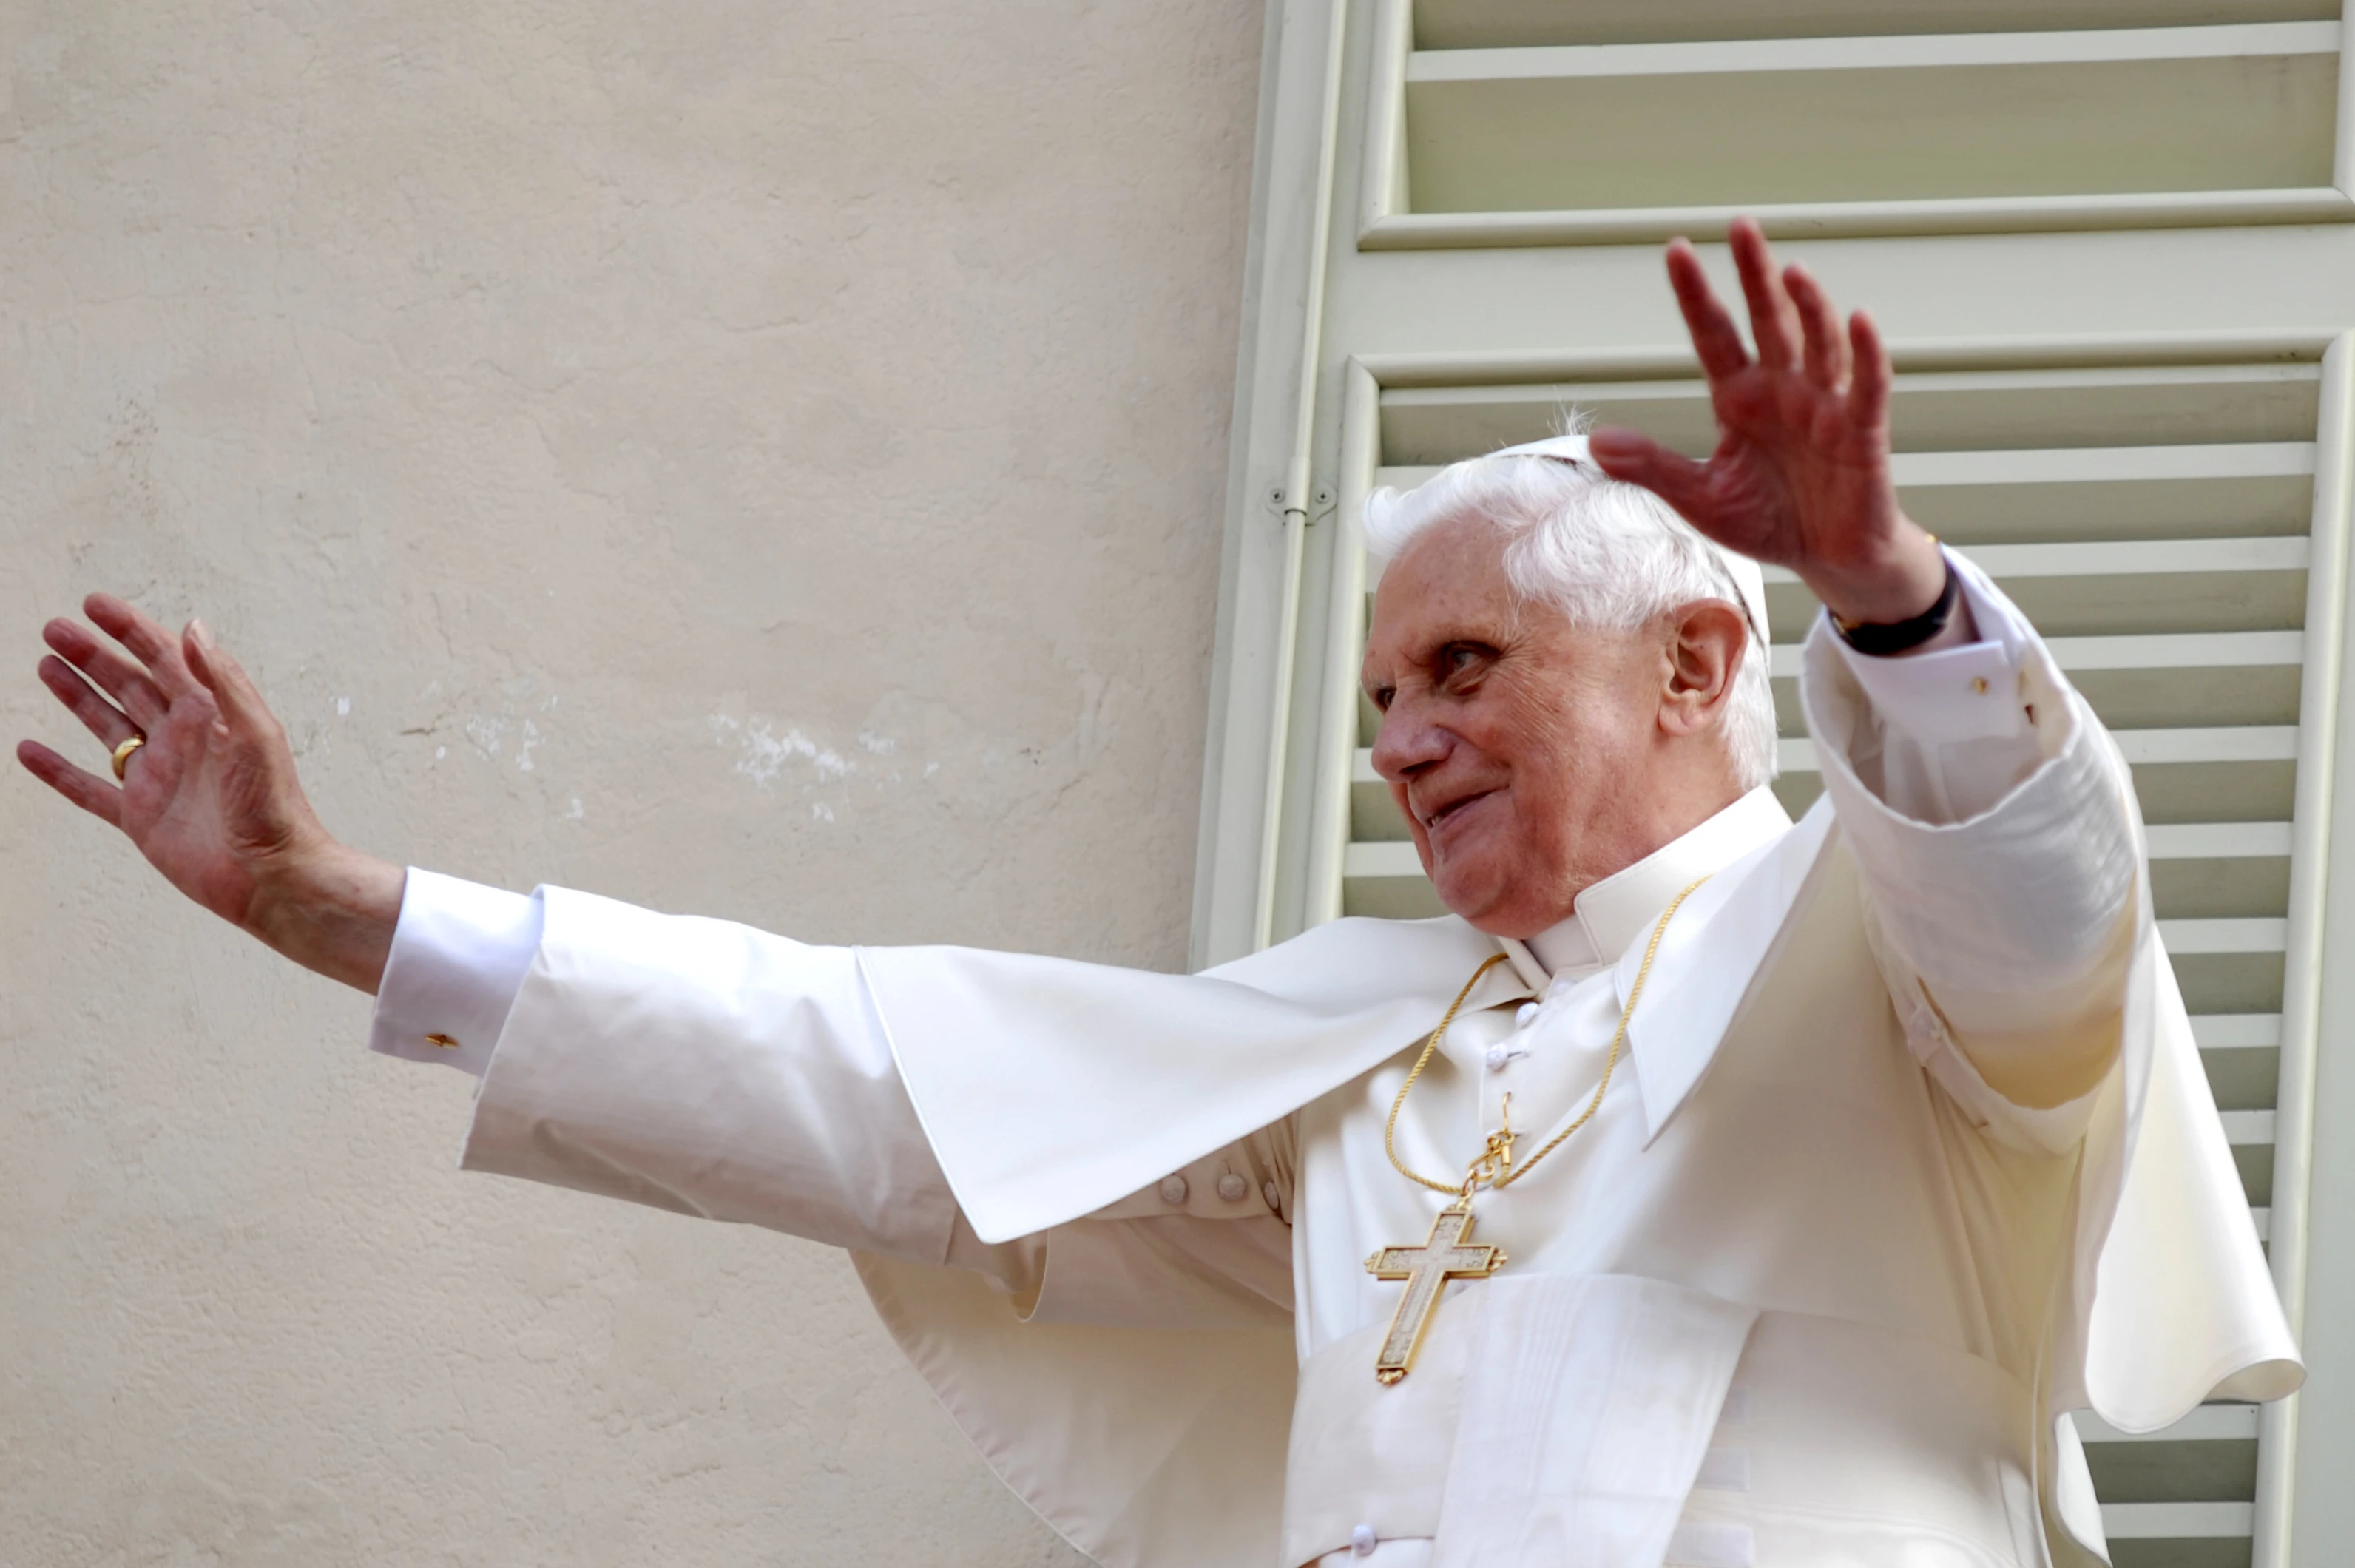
692,1064
1994,824
771,1097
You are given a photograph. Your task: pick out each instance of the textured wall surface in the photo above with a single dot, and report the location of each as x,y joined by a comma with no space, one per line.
760,460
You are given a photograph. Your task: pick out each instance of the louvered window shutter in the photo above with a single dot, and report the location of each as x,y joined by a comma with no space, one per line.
2110,245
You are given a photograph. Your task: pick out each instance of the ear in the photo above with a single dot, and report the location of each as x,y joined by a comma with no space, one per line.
1705,643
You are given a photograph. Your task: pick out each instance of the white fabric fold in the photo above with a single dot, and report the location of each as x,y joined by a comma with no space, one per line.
714,1070
1588,1405
1728,927
1362,1453
1711,1546
1143,1448
1264,1035
2182,1309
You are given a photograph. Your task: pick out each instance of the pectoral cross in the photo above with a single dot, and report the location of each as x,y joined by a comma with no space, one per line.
1448,1254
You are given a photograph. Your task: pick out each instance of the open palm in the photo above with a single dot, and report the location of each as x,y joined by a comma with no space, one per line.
211,798
1801,475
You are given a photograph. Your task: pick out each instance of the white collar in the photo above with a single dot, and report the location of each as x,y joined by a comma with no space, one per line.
1610,915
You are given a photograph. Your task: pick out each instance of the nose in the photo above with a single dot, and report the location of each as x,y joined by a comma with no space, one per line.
1408,742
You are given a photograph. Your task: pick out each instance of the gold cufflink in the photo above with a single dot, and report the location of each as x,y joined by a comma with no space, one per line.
444,1041
1978,685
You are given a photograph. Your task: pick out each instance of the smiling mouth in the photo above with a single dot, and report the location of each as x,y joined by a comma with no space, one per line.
1433,822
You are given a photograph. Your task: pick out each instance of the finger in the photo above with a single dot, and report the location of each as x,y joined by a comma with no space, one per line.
1826,350
110,671
1868,391
1637,459
86,790
145,637
1774,323
98,716
240,700
1715,338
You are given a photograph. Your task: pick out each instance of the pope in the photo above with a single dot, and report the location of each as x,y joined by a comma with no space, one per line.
1704,1189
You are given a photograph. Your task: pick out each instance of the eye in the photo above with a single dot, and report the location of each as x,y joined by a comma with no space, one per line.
1461,665
1380,698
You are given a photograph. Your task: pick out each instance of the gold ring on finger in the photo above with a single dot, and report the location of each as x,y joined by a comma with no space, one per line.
122,754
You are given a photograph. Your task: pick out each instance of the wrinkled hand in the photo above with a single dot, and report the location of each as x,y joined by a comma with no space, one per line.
211,799
1801,476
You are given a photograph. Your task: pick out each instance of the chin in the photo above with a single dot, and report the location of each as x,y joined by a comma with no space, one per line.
1495,895
1471,891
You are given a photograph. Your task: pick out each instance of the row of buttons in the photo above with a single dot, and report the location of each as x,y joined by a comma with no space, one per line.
1230,1186
1509,1051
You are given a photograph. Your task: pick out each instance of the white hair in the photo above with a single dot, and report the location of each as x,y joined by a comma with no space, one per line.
1605,554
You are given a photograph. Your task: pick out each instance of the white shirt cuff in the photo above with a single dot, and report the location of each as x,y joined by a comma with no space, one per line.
459,957
1968,693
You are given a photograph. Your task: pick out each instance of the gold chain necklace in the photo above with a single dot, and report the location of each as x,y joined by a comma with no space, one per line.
1450,1252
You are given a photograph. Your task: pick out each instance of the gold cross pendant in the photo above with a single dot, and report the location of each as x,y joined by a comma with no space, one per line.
1448,1254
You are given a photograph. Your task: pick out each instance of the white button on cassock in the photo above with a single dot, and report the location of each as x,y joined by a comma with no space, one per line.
1173,1190
1504,1052
1527,1015
1232,1187
1363,1540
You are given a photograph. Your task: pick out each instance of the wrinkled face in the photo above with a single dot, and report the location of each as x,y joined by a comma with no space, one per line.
1528,754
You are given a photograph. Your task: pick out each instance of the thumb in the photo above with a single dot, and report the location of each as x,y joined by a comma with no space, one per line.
1634,458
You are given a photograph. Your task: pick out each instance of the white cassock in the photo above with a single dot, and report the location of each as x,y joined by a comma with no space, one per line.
1806,1290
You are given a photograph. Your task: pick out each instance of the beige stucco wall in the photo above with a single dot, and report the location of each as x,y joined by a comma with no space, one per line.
762,460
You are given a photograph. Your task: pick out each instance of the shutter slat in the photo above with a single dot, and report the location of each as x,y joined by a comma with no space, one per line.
2190,650
2224,743
2273,40
2122,557
2206,1423
2243,936
2169,841
2056,466
2179,1522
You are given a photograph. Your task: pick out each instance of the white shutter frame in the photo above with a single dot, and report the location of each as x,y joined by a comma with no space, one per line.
1336,735
2321,864
1288,246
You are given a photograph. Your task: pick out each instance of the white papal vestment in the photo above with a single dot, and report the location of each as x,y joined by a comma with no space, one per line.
1806,1290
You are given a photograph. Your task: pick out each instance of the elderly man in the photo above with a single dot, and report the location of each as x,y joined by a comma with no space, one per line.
1706,1190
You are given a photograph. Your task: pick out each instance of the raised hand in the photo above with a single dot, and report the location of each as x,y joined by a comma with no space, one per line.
1800,476
211,798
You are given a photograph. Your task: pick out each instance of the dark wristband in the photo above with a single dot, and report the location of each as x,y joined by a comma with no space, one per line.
1902,637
